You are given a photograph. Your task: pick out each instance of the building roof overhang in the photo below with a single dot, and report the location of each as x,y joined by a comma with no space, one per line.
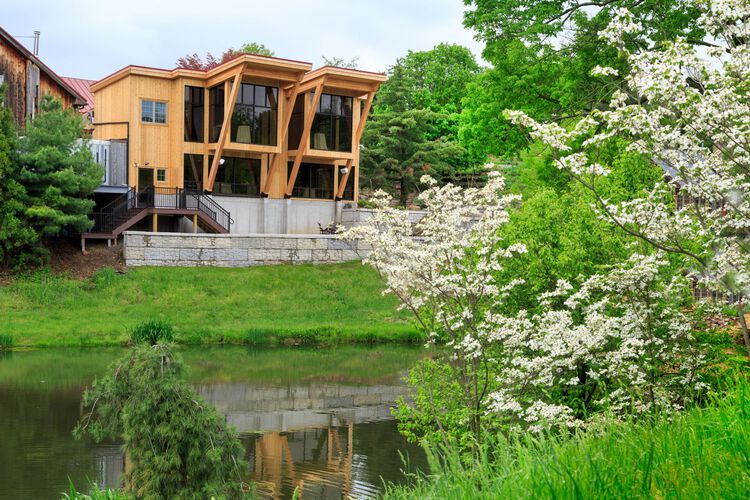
346,80
276,67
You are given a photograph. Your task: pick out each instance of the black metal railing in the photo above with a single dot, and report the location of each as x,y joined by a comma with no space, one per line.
127,206
115,213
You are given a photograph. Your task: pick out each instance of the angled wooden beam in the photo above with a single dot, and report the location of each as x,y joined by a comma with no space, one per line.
344,178
357,138
363,118
285,119
308,85
303,140
198,176
209,186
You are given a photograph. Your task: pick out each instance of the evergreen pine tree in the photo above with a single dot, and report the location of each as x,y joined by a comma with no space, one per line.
48,185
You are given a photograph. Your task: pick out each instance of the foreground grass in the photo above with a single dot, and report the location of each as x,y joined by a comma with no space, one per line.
300,304
702,454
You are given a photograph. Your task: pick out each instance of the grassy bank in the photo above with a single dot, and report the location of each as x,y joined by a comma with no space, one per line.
701,454
301,304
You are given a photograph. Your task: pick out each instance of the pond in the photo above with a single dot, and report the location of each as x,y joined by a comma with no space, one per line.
310,418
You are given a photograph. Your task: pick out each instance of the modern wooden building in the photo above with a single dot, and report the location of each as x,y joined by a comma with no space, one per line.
28,79
273,142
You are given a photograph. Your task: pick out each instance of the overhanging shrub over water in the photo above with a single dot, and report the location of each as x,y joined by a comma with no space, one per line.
177,445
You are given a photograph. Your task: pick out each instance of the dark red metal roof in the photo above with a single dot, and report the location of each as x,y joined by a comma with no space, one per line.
83,88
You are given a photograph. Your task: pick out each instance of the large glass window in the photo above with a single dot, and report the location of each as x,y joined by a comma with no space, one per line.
254,117
194,97
237,176
193,172
153,111
215,112
349,188
297,122
313,181
332,126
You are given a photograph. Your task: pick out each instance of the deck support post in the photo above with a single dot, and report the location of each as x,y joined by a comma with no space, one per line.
263,215
195,223
155,223
287,206
83,245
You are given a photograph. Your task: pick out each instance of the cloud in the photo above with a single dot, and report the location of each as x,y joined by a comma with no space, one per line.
91,39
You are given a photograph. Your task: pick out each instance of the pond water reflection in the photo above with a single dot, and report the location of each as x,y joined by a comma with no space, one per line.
313,419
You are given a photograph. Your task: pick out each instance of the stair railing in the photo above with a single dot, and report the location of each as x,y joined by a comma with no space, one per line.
129,204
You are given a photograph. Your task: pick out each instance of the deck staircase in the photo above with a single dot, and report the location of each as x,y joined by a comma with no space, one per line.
131,207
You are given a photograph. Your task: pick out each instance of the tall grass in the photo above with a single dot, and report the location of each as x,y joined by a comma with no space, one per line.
6,341
96,494
152,332
704,453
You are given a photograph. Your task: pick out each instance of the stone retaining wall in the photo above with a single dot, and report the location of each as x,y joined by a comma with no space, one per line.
235,250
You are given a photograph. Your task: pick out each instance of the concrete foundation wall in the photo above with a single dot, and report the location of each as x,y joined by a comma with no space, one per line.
235,250
274,216
351,217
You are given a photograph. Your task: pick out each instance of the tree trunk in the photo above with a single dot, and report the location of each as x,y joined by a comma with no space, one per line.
743,326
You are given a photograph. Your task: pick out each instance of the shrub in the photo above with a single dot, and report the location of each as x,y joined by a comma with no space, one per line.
177,445
366,204
152,332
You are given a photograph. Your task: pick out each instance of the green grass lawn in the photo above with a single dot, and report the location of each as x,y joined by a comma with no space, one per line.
302,304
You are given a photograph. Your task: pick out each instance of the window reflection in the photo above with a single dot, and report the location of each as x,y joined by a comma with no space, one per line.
194,114
313,181
237,176
254,117
332,126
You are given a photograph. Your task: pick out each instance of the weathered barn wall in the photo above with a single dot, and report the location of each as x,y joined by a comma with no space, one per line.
23,95
13,69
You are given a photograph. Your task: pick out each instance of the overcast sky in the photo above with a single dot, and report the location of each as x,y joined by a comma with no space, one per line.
93,38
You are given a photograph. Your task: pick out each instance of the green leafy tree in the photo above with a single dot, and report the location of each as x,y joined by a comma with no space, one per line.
256,48
177,445
340,62
433,79
542,53
564,237
414,123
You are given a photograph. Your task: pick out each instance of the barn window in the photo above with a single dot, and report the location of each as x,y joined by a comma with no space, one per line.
153,111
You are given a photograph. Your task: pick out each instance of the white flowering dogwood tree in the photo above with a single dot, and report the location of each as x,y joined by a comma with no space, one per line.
619,344
691,115
447,275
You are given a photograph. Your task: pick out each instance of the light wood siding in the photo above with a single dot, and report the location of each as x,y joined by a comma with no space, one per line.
118,99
